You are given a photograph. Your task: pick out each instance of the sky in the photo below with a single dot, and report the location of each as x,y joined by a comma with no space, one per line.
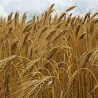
39,6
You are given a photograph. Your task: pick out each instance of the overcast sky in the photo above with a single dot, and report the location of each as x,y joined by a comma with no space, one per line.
38,6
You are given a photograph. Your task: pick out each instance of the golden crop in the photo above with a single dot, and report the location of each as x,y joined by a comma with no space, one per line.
49,56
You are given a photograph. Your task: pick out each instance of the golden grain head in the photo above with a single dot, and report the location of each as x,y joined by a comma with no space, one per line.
49,56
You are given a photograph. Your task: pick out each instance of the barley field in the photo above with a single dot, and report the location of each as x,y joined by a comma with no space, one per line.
49,56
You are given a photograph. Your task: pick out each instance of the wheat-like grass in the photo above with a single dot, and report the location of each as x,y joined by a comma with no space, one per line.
49,56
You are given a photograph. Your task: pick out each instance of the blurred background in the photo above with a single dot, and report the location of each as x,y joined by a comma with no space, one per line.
39,6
